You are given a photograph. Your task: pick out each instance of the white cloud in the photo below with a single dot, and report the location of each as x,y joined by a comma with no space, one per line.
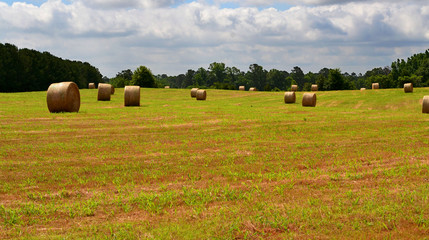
115,4
117,35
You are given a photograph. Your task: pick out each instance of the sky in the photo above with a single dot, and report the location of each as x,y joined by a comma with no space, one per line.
172,36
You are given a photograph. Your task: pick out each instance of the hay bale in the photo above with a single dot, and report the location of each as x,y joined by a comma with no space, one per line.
63,97
104,92
132,96
290,97
309,100
363,89
201,94
314,88
167,87
425,108
113,89
253,89
375,86
242,88
91,85
408,87
294,88
194,92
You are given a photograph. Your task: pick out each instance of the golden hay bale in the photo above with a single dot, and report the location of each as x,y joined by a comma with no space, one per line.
63,97
425,108
132,96
242,88
91,85
201,94
309,100
408,87
290,97
294,88
194,92
314,88
104,92
113,89
363,89
253,89
167,87
375,86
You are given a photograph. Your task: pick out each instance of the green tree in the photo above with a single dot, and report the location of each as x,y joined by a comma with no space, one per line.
258,76
335,80
143,77
217,73
298,75
277,79
200,77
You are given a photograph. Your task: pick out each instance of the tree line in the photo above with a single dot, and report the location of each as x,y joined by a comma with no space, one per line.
30,70
23,70
219,76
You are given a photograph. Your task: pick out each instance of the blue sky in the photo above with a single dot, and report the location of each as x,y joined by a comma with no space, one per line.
172,36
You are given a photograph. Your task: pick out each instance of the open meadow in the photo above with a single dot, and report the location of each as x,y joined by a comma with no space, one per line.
240,165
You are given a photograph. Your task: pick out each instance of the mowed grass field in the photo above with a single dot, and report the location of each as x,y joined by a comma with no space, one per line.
240,165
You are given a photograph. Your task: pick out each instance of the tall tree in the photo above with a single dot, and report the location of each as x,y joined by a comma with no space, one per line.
277,79
298,76
217,73
143,77
258,76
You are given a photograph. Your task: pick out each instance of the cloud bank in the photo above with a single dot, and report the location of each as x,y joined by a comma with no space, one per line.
171,36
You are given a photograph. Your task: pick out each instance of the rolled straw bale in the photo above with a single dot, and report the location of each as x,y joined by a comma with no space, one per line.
425,108
63,97
167,87
201,94
132,96
290,97
375,86
314,88
363,89
113,89
194,92
309,100
104,92
408,87
294,88
253,89
91,85
242,88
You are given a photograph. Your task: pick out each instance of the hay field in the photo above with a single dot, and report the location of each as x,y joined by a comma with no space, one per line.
240,165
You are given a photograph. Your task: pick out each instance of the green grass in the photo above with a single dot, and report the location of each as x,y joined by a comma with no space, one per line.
238,165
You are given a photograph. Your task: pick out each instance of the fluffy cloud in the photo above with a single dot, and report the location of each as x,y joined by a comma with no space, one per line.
117,35
115,4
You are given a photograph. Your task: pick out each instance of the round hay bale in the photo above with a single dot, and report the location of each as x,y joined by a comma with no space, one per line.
363,89
113,89
290,97
314,88
91,85
253,89
194,92
425,108
63,97
375,86
132,96
104,92
309,100
201,94
167,87
242,88
294,88
408,87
